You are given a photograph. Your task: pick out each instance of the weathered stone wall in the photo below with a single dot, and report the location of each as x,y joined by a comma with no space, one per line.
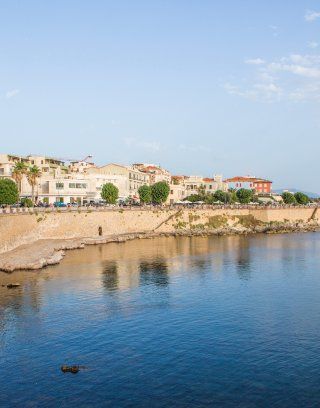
19,229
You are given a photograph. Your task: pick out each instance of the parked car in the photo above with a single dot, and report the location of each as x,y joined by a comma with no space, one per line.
58,204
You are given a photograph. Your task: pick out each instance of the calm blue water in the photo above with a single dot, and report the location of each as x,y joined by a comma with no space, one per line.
187,322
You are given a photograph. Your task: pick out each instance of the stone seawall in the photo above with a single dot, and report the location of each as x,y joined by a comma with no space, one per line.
21,229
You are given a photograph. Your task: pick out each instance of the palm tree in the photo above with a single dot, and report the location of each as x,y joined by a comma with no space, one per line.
18,172
32,175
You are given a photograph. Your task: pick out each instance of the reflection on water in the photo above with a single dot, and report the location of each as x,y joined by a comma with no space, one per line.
110,278
155,272
219,321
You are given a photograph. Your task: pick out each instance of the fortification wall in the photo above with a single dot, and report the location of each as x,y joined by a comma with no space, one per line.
19,229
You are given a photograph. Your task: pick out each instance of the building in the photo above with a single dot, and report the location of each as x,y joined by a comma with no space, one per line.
156,173
259,185
127,178
184,186
210,185
7,163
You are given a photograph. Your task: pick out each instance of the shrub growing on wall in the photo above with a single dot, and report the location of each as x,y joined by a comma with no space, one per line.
145,194
110,193
8,192
160,192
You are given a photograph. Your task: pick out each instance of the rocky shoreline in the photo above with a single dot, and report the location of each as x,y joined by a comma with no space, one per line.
42,253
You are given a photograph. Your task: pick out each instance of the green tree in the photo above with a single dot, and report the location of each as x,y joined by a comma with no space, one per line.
193,198
18,171
145,194
244,195
160,192
301,198
220,195
202,193
210,198
288,198
110,193
232,196
26,202
9,193
33,175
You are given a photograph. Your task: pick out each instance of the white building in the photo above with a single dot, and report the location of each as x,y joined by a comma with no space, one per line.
184,186
156,173
80,181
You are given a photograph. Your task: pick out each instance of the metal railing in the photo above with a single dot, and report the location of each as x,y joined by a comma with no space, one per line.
88,209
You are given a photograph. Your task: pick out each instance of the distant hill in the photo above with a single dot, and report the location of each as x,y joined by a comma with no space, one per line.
295,190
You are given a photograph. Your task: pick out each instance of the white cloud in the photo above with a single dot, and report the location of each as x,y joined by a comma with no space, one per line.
296,69
264,92
311,15
294,77
194,149
152,146
307,68
274,29
12,93
255,61
313,44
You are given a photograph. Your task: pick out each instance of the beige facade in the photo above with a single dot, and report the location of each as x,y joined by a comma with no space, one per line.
82,181
156,173
183,186
78,182
132,176
8,161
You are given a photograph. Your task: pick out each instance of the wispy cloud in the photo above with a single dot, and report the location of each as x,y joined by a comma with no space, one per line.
295,77
264,92
255,61
274,29
194,149
12,93
151,146
313,44
311,15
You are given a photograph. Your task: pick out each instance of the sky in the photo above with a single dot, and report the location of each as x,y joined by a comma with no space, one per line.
200,87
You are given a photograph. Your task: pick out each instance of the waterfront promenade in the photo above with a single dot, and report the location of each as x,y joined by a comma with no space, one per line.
35,210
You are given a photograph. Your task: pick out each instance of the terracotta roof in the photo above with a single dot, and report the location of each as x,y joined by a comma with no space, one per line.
208,179
247,179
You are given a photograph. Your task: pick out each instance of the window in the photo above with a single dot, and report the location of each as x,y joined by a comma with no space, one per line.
2,171
77,185
59,186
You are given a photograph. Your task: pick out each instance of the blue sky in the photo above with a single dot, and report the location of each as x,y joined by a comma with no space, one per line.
200,87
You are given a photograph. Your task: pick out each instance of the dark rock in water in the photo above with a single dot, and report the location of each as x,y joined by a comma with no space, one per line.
70,369
13,285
